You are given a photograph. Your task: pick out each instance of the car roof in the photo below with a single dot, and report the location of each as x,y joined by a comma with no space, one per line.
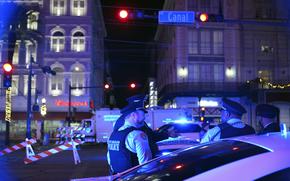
271,141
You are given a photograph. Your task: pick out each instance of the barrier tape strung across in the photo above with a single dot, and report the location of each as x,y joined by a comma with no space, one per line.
17,146
51,152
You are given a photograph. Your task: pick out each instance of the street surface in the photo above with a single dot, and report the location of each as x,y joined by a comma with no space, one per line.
57,167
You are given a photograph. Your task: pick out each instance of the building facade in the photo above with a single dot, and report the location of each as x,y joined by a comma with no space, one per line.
245,55
68,38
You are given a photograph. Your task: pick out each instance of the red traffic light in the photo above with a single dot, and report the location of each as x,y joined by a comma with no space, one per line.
132,85
107,86
7,67
123,14
203,17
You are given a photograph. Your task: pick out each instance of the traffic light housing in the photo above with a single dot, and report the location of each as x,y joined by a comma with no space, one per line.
205,17
7,75
129,14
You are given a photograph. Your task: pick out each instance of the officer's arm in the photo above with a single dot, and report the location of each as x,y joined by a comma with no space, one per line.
142,147
211,135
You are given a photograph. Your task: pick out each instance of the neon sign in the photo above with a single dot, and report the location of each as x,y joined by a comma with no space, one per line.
61,103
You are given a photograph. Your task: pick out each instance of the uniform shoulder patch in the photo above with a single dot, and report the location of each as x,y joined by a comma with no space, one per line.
143,136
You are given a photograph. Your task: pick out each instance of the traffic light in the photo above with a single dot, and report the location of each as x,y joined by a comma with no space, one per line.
107,86
202,113
7,79
123,14
205,17
132,85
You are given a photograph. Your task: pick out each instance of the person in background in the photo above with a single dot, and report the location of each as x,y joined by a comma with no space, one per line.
153,136
128,146
232,125
267,117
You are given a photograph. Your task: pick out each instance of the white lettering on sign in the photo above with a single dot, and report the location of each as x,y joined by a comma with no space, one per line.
173,17
113,145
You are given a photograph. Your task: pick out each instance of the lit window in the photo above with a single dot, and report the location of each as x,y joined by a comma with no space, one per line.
56,82
57,41
33,85
32,19
78,7
15,85
30,51
78,42
78,79
15,59
58,7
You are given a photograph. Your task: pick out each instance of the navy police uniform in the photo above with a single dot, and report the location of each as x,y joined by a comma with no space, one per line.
153,136
128,145
271,112
232,127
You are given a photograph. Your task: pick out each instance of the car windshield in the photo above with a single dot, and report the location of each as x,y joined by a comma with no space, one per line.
186,128
186,163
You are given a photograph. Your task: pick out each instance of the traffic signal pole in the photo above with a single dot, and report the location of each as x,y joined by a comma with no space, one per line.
28,114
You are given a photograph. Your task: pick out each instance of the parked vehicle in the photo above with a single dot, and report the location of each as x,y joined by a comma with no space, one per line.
252,157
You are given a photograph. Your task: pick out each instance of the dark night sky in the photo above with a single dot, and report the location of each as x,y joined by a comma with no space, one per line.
127,45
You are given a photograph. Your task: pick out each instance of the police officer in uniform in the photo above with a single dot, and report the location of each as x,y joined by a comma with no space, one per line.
153,136
267,116
128,146
231,114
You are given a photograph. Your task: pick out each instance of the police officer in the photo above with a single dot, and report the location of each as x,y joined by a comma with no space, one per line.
267,117
128,146
231,114
153,136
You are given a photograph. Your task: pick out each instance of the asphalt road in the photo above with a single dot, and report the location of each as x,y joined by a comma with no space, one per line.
57,167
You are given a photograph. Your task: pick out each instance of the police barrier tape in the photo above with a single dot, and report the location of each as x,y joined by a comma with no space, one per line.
51,151
17,146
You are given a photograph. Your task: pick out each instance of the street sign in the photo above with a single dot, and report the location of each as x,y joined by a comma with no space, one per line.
176,17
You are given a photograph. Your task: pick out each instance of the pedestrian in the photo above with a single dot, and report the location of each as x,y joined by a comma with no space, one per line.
232,125
267,117
128,146
153,136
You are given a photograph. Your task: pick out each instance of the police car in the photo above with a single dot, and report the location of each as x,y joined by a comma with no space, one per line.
263,157
188,135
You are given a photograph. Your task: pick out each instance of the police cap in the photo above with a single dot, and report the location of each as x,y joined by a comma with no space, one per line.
134,103
267,110
233,107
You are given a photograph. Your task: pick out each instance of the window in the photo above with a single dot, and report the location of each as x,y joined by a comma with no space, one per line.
56,82
78,7
33,85
30,51
32,19
78,79
205,42
14,86
15,59
57,41
218,43
218,73
193,72
193,42
78,42
58,7
265,9
206,73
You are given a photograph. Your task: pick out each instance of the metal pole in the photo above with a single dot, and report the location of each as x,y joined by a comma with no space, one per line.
69,104
28,115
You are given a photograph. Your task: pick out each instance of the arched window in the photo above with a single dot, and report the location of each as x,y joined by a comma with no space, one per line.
78,7
57,41
78,42
58,7
56,86
32,20
77,79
